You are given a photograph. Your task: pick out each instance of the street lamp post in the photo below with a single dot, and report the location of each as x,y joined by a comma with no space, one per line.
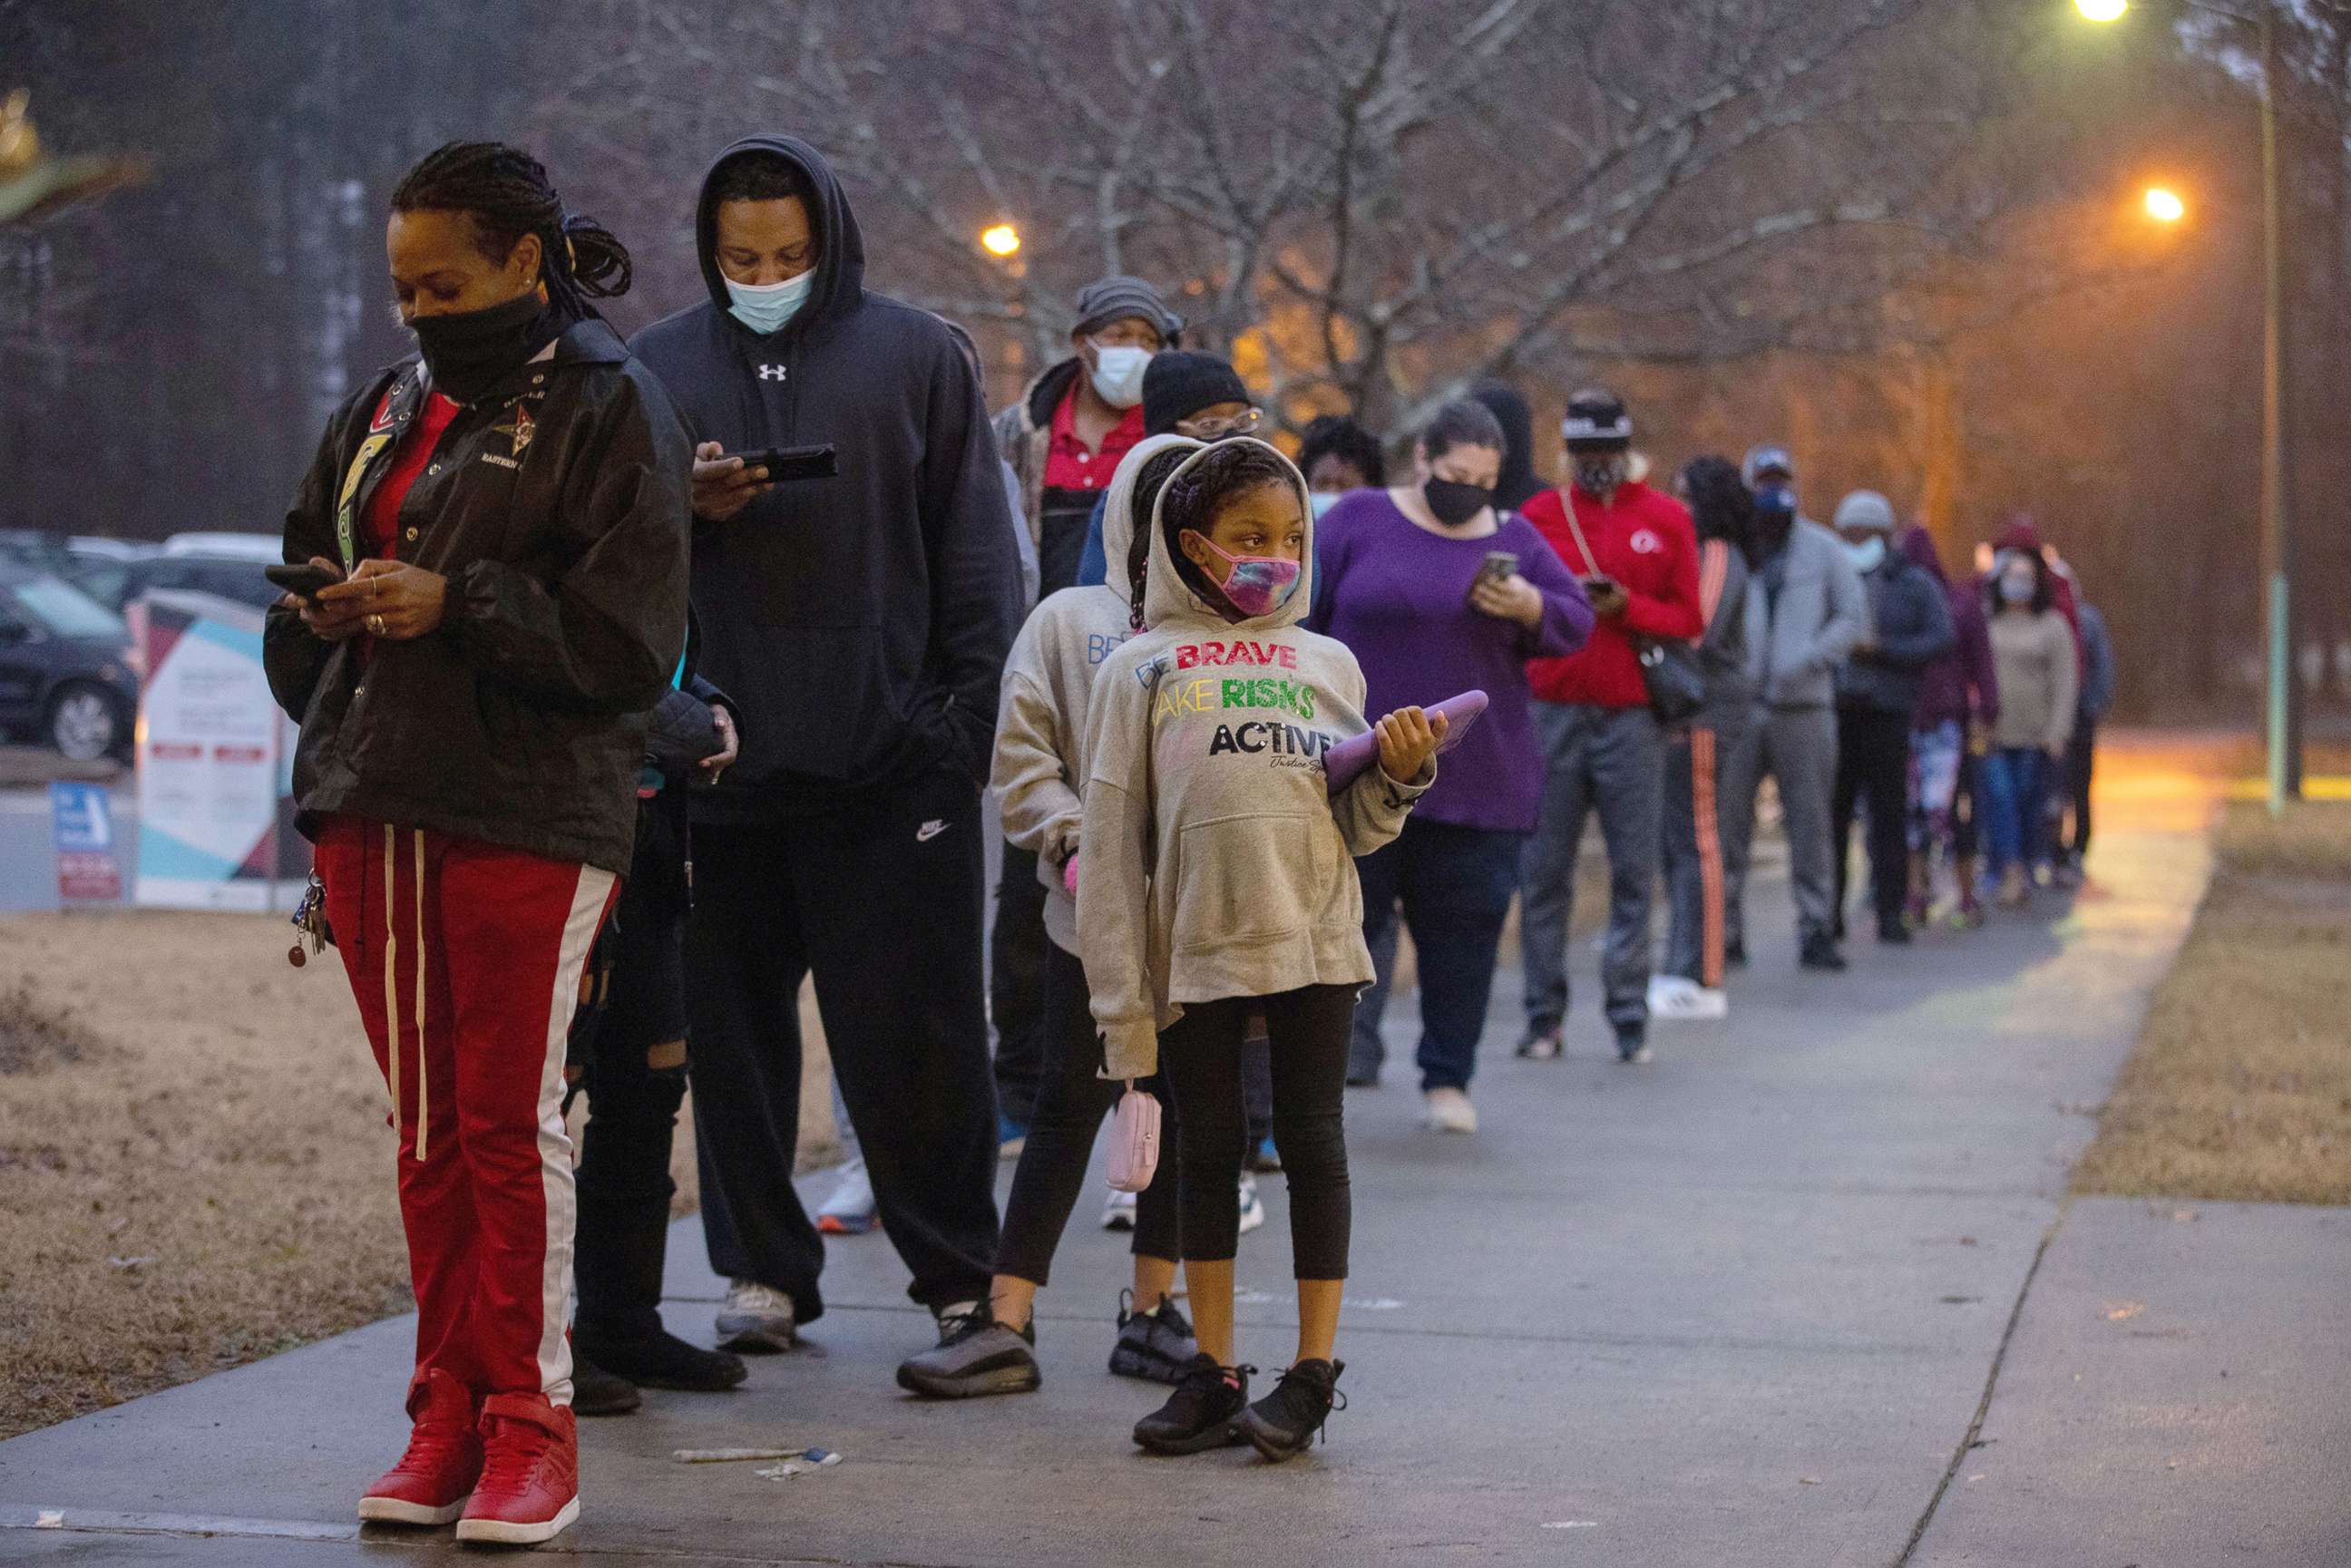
2282,716
2284,686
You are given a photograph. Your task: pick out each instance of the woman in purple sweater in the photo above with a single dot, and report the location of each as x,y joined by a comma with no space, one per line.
1414,582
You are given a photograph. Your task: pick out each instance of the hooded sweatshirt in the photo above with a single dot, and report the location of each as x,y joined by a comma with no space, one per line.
1517,483
1217,863
860,621
1040,730
1961,684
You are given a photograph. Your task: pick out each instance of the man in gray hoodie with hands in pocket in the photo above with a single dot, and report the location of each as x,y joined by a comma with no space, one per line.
1806,613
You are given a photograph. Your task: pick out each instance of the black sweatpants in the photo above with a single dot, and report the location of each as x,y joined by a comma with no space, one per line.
1015,986
1200,1057
2081,765
1874,764
1072,1101
634,1078
881,902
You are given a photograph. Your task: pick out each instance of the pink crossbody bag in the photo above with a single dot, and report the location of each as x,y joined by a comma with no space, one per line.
1133,1140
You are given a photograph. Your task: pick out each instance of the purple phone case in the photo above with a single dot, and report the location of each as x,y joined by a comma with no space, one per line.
1351,757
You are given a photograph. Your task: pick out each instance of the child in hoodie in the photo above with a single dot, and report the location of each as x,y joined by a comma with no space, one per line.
1039,769
1216,881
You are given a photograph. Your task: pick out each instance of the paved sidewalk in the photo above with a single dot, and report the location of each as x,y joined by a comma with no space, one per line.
1739,1306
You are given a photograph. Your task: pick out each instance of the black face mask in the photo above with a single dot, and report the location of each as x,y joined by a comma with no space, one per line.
1455,503
468,354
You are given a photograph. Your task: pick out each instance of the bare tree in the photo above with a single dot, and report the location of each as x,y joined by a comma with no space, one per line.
1363,202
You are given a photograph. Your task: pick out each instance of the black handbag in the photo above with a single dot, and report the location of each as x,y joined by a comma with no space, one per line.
1670,673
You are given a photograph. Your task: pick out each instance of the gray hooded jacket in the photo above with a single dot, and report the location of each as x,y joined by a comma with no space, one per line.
1795,642
1040,728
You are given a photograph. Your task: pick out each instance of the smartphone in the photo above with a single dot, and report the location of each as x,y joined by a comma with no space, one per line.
304,580
1498,566
788,463
1593,587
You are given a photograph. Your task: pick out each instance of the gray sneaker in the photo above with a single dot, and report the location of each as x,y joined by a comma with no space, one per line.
757,1318
978,1355
1152,1346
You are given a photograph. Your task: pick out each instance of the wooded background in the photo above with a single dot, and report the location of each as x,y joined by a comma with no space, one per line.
1903,235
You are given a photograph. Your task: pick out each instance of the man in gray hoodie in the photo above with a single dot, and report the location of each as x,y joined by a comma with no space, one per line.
1806,613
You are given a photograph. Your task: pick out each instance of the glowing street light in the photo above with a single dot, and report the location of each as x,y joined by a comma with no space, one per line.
2164,205
2102,10
999,239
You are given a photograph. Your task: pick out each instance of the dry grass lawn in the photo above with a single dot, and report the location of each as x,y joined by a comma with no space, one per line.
195,1164
2241,1084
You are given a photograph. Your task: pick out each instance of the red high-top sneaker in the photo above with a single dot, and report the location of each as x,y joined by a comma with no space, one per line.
530,1490
433,1479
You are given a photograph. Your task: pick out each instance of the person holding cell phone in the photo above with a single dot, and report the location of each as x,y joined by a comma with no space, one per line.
860,617
501,521
1435,591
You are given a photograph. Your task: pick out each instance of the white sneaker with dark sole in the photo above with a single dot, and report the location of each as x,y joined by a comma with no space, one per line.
1450,1111
756,1318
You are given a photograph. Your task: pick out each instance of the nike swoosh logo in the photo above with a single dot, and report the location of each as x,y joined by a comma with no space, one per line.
929,830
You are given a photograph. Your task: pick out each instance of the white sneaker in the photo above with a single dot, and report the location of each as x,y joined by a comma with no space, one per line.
756,1318
1449,1111
1118,1211
1252,1207
850,1210
1675,998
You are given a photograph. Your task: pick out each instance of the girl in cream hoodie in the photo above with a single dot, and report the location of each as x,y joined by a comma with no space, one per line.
1218,880
1039,770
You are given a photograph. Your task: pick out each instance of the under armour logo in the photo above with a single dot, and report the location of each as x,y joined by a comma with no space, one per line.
771,373
930,829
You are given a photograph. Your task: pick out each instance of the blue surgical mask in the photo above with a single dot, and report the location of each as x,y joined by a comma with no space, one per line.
765,306
1323,500
1867,554
2016,587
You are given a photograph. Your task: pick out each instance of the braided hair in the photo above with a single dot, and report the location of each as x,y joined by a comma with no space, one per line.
1147,486
506,192
1228,468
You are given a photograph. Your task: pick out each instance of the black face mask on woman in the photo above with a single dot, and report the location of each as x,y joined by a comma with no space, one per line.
467,354
1453,502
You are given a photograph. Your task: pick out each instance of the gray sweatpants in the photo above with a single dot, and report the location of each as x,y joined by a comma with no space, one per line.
1798,746
1610,760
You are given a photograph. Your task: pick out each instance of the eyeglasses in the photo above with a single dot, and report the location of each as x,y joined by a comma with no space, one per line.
1217,429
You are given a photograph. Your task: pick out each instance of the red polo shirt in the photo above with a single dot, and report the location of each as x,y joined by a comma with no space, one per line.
1068,464
1644,539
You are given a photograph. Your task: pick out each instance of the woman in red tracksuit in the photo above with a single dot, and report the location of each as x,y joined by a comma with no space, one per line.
506,526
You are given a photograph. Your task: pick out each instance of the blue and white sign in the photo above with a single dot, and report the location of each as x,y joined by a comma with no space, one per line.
81,826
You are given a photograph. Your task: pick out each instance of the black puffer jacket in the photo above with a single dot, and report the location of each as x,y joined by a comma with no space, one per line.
558,507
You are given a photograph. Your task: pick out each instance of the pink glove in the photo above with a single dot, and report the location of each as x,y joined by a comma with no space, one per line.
1070,875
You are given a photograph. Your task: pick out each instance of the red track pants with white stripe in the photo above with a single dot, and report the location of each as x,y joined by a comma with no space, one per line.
465,959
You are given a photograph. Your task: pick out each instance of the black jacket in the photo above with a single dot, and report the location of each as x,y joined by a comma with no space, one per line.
1910,628
861,620
558,507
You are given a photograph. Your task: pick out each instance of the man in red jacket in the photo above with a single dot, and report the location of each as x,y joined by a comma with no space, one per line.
1637,554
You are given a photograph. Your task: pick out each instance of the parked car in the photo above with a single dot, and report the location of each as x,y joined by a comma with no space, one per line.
233,546
66,679
231,577
102,567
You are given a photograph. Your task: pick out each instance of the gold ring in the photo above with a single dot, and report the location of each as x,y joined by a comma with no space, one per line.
375,625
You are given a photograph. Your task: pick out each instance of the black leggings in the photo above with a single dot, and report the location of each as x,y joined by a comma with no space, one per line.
1201,1059
1072,1101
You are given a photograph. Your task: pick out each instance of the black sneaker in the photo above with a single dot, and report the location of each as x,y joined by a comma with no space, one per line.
596,1391
1819,952
1281,1425
1734,953
1199,1415
1154,1346
1632,1046
1895,932
1540,1045
664,1361
976,1355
